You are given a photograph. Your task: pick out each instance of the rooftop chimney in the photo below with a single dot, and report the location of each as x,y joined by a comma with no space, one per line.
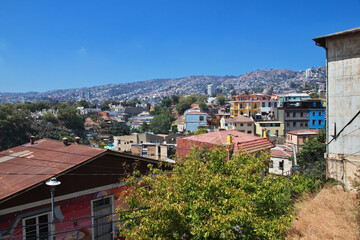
66,141
32,140
77,140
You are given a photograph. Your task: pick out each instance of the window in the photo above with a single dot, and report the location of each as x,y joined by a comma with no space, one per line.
301,124
249,132
301,114
277,133
294,114
288,124
294,124
241,124
320,113
102,209
241,130
313,122
306,124
255,105
201,118
241,106
241,113
119,141
249,124
288,114
281,165
314,113
275,104
320,122
37,227
263,104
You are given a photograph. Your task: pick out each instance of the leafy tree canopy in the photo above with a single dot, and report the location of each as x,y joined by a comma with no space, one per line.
161,123
311,157
119,129
206,196
83,103
220,98
70,118
15,126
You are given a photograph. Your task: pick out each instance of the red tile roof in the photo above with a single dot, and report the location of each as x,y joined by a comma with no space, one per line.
246,142
30,164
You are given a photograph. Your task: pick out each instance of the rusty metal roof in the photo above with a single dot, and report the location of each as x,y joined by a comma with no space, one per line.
240,119
30,164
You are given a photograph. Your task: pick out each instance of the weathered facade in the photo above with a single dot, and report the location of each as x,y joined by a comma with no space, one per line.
343,103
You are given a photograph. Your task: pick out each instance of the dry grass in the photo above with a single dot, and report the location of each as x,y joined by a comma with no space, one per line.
332,214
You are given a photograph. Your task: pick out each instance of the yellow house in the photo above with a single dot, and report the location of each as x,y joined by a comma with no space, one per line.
269,128
253,105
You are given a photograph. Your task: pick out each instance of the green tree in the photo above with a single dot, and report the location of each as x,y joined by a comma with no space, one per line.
83,103
166,102
201,131
49,117
206,196
203,106
119,129
314,95
15,126
70,118
220,98
311,159
105,106
144,127
160,124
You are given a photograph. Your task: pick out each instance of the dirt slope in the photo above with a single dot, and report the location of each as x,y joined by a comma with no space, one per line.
332,214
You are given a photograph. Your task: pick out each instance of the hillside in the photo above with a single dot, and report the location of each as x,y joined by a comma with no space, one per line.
278,80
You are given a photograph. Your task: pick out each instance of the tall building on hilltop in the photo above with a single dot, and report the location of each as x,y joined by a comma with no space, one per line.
211,90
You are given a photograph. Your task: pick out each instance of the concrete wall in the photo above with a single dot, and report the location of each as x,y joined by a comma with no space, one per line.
343,67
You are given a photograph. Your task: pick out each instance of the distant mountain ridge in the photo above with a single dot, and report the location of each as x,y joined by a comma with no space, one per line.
277,79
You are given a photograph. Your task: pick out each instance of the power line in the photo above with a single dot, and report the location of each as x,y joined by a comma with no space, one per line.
338,134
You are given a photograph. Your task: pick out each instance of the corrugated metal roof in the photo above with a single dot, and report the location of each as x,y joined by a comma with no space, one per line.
281,151
320,41
30,164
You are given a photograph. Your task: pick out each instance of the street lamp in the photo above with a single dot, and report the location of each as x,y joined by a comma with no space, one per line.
53,182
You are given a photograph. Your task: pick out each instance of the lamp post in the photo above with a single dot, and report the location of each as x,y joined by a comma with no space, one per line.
52,183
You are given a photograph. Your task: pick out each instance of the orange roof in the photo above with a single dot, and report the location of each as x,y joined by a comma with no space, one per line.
246,142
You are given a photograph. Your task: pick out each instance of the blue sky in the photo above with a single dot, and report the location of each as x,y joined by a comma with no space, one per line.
57,44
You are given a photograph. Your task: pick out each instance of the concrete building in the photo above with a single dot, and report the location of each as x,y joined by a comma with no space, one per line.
157,151
239,123
194,119
292,97
123,143
211,90
298,114
296,139
343,103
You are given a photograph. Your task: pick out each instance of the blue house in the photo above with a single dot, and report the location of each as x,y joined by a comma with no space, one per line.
194,119
317,118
